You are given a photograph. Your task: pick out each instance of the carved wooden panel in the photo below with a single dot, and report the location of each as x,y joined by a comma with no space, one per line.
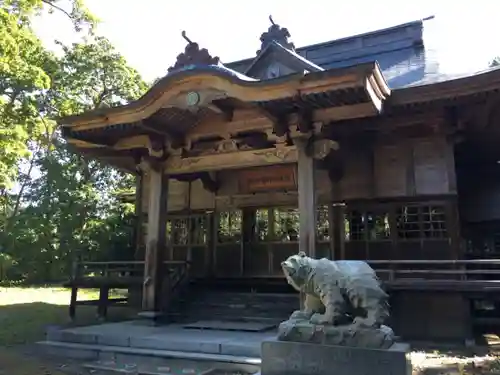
431,160
390,170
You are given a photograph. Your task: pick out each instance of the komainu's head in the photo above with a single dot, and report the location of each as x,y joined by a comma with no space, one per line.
296,269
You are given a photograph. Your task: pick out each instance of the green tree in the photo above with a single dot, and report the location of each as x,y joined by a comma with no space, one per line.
70,205
75,10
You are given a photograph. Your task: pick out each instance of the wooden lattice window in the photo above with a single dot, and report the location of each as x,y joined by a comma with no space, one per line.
377,224
367,226
178,231
322,224
420,222
408,222
286,224
354,223
230,226
261,224
433,222
199,230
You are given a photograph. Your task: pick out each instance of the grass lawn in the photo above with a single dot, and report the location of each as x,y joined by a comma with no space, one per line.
25,313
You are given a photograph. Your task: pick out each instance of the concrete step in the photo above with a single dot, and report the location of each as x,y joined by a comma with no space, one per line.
122,356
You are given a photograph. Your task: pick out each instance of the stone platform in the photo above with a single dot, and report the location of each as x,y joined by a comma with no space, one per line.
135,338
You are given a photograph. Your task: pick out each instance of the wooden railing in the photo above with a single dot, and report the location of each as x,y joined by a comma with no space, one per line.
121,275
480,275
439,274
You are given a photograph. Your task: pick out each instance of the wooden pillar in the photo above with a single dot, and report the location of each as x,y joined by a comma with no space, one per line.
139,217
248,217
307,199
211,245
331,232
337,209
155,245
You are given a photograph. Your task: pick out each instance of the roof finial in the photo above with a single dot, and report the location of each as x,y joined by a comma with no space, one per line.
275,33
183,33
193,55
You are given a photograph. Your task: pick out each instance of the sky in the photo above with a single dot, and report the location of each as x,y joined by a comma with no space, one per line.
148,32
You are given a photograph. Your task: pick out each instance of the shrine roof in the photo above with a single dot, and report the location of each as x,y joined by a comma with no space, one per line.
319,76
399,50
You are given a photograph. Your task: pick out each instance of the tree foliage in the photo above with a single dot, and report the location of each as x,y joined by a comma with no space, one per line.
54,203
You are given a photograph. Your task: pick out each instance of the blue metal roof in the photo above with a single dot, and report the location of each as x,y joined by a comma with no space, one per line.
399,50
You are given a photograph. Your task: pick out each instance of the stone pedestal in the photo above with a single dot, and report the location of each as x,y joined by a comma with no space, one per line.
301,330
296,358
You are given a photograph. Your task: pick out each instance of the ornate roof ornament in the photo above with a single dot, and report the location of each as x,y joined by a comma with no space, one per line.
277,34
193,55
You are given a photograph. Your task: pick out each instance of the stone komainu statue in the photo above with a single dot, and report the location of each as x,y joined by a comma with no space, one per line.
348,292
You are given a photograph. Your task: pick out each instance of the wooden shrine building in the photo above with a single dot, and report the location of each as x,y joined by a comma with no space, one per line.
357,148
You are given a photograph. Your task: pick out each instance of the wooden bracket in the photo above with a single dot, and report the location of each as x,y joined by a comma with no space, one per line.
210,184
280,126
321,148
305,123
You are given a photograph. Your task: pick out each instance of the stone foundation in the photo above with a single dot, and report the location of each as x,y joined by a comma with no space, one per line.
295,358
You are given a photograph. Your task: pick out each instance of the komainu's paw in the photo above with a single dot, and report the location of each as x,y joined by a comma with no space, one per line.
321,319
301,315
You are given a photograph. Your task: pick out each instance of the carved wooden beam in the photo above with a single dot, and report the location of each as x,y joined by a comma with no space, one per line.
155,147
241,159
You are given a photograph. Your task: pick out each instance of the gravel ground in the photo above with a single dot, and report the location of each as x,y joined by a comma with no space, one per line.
431,363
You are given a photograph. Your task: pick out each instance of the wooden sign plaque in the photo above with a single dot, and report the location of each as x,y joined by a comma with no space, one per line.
272,178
